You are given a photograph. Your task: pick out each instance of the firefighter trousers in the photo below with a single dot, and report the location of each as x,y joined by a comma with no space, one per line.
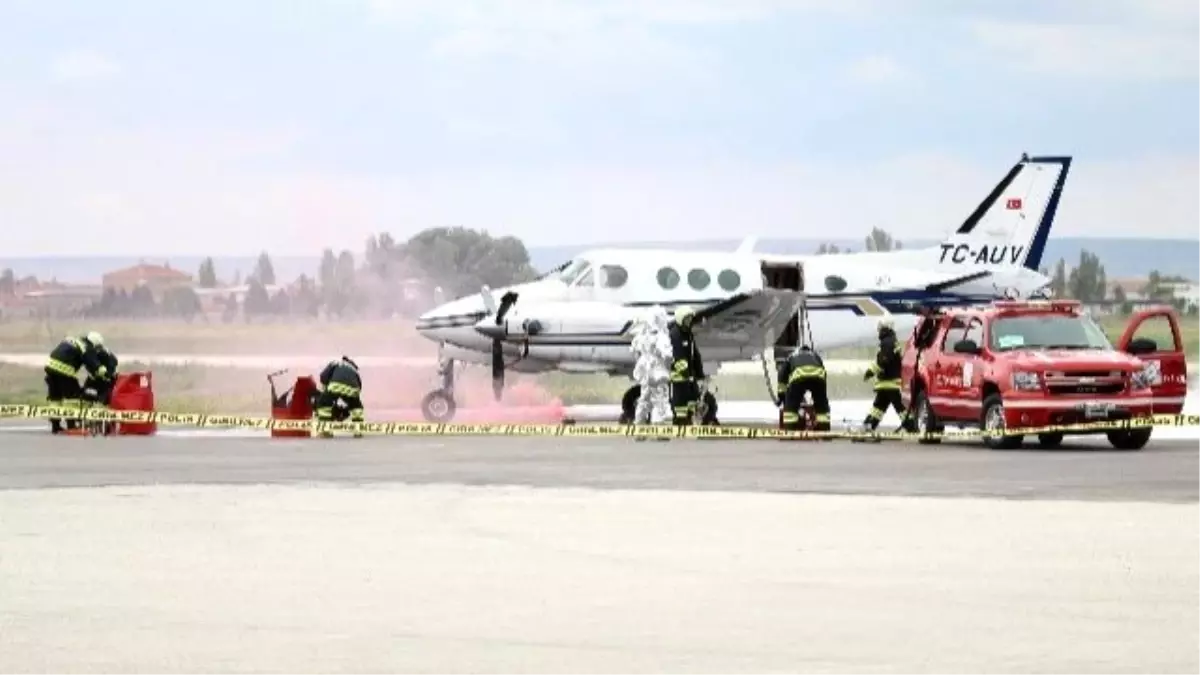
884,399
62,390
793,399
326,401
685,395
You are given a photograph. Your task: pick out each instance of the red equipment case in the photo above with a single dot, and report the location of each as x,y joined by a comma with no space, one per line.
134,391
293,404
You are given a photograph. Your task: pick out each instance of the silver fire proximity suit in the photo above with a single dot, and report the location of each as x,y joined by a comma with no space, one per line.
652,368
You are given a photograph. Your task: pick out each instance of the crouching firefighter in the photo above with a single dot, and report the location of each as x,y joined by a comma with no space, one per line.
886,371
687,367
62,372
801,373
340,381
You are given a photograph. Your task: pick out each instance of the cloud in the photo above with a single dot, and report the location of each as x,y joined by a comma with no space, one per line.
1092,51
83,65
620,42
71,190
880,69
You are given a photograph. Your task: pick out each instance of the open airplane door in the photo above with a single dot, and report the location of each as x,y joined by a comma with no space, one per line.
1153,336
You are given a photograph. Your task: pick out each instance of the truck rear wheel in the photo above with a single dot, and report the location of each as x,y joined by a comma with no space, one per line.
993,426
1131,439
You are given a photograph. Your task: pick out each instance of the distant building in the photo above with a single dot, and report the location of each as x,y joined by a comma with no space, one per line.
33,299
158,278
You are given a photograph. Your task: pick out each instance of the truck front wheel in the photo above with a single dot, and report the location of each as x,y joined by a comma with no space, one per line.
1132,439
993,426
927,423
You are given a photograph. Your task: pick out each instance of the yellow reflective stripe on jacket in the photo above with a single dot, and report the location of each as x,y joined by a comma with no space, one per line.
806,372
342,389
680,365
60,367
883,385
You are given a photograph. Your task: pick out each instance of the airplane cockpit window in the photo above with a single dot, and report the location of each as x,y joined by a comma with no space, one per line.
554,273
588,278
613,276
573,271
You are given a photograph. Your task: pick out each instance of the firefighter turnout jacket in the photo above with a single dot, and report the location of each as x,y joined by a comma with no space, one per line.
74,353
341,378
886,366
800,364
686,363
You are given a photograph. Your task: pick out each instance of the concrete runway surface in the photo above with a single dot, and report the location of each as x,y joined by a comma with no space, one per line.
598,555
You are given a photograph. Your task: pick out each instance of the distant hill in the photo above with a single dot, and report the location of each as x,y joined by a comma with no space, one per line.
1121,257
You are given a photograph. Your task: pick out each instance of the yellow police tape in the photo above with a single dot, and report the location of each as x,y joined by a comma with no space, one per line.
204,421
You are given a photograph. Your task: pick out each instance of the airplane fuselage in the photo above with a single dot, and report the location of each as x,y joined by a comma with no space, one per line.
581,326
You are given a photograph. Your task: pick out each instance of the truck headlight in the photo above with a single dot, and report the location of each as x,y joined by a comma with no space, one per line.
1026,381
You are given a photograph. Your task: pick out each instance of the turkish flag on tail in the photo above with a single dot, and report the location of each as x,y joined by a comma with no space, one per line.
1013,204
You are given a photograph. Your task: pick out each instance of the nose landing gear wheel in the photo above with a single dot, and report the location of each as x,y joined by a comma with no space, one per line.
438,406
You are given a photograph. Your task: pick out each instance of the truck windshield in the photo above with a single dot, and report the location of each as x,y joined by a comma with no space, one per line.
1047,331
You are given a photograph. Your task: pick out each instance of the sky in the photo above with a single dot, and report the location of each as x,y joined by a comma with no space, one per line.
226,127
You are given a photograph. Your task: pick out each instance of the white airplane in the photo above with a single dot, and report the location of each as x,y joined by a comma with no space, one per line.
576,318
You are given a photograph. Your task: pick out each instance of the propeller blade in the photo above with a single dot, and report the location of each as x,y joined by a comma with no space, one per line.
506,302
497,369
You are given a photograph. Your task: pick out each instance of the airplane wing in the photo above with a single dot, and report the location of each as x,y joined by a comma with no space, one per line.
745,319
946,284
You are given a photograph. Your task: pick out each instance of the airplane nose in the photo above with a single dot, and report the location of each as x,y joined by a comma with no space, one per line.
490,330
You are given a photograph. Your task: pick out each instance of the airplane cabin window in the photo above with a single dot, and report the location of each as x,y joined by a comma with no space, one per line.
668,278
699,279
729,280
834,283
613,276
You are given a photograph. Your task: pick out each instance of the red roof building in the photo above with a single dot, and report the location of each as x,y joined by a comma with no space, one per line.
157,277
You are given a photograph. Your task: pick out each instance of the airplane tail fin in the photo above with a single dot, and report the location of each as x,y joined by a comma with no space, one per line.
1010,226
747,245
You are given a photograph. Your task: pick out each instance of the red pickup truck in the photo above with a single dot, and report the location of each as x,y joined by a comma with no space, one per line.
1027,364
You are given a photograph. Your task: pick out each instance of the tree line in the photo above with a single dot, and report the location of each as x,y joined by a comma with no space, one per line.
392,278
408,277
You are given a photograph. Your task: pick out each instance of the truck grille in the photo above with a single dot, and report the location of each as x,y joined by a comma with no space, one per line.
1085,382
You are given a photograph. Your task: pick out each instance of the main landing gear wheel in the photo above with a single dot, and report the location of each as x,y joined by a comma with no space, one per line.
438,406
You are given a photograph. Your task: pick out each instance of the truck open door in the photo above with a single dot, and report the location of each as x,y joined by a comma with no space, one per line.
1154,337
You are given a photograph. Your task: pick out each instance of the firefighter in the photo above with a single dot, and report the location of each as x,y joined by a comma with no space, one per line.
886,371
103,386
62,372
687,367
803,372
340,381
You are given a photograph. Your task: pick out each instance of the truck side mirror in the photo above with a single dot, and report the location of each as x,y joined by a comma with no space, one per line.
966,347
1142,346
